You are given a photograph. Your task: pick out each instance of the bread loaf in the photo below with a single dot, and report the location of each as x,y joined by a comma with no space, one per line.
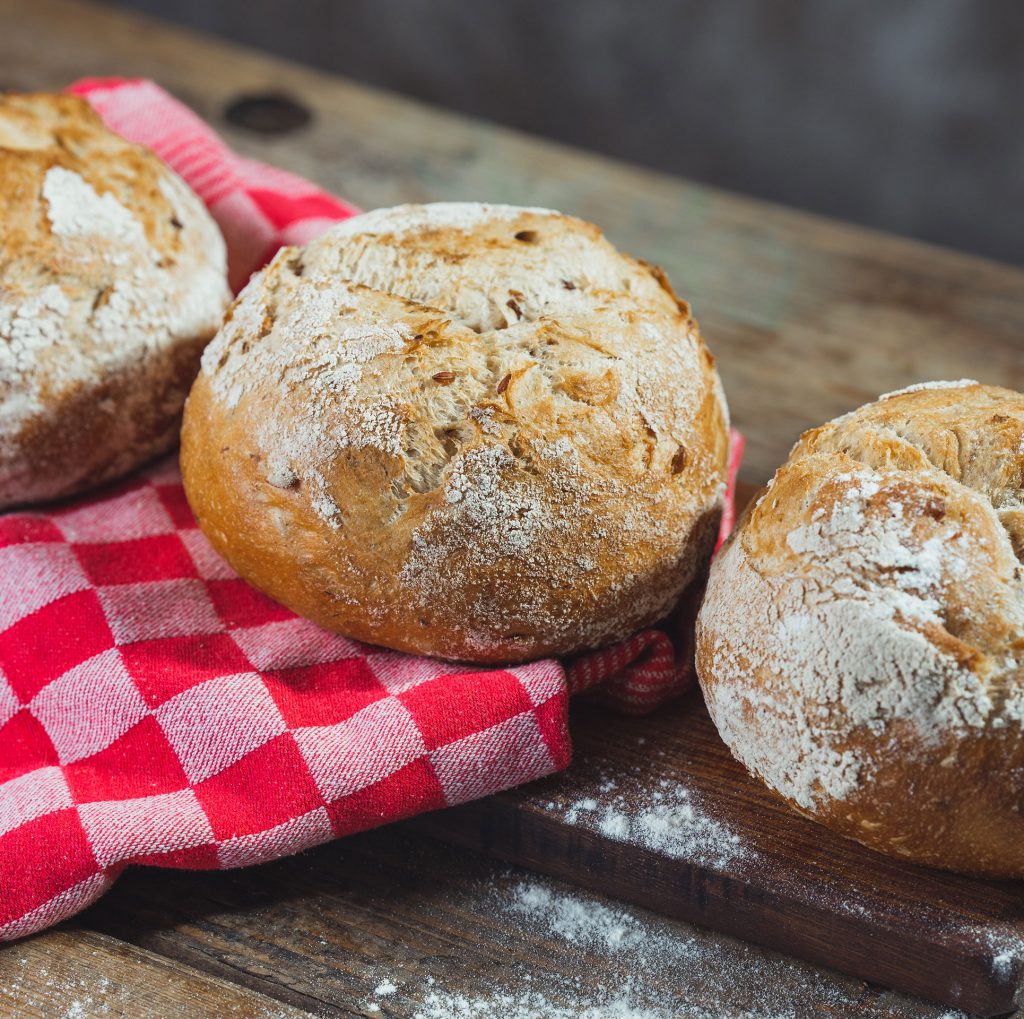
112,279
475,432
861,645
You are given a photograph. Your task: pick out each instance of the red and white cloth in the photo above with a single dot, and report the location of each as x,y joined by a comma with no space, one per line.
156,710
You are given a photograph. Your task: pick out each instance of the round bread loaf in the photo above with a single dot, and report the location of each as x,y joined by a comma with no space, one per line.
861,645
112,279
474,432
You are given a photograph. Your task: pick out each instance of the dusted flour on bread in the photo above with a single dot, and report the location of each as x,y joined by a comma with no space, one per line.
112,277
472,431
861,645
939,384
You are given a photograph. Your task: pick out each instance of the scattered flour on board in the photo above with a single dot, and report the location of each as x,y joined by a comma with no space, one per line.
529,1005
580,921
34,990
61,996
618,961
1006,946
1003,943
670,820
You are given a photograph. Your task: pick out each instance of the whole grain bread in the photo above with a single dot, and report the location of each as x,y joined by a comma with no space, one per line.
112,279
861,644
475,432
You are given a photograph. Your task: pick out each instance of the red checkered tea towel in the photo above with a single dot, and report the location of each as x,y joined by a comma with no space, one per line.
156,710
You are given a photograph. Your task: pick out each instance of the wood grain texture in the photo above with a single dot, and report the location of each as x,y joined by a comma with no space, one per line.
326,929
85,975
807,317
785,881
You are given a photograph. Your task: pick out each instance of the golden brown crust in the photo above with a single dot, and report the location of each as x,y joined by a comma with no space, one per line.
112,279
473,432
861,645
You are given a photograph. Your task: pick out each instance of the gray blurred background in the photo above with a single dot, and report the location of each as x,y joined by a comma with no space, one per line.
902,114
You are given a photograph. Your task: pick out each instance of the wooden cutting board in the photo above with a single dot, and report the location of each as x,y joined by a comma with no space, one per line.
655,811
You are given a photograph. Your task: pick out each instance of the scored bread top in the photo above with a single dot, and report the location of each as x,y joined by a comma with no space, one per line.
107,260
507,428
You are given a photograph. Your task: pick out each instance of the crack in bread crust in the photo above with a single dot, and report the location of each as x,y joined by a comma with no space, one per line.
861,645
504,446
112,280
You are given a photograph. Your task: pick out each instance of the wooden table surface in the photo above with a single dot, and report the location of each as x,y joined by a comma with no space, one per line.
807,317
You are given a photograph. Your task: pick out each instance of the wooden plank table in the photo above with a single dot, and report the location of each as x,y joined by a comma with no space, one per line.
807,318
656,812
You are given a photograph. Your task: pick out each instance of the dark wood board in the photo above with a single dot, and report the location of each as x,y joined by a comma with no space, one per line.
786,882
321,931
807,317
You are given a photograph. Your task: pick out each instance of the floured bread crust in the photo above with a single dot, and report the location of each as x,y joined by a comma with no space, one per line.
861,645
112,279
474,432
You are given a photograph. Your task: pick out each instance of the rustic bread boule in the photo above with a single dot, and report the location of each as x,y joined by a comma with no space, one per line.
112,279
861,644
475,432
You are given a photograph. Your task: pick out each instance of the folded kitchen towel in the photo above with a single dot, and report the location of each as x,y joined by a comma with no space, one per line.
156,710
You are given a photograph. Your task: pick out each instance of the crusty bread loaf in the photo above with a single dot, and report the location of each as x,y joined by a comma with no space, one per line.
475,432
861,645
112,279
